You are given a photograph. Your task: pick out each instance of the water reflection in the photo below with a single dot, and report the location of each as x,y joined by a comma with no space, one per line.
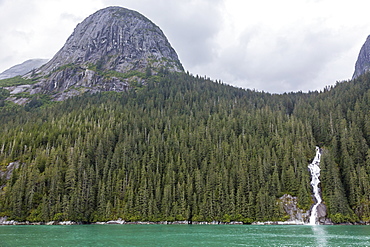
320,235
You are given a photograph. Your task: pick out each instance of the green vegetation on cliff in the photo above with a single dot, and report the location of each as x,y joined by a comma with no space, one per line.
15,81
186,148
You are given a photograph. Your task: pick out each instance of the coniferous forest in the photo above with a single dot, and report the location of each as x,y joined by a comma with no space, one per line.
183,147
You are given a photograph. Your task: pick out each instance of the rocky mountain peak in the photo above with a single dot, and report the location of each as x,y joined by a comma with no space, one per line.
116,39
108,51
363,61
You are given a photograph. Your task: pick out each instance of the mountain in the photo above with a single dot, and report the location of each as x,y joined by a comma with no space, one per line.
110,50
152,144
363,61
23,68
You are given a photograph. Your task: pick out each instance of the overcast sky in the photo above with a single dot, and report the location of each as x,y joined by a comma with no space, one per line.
274,46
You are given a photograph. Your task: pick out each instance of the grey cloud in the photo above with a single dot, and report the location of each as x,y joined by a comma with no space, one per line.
276,62
72,17
14,35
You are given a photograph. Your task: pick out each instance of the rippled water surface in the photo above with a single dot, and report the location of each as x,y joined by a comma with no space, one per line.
184,235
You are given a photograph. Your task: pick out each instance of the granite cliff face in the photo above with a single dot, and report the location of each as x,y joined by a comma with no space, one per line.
363,61
110,50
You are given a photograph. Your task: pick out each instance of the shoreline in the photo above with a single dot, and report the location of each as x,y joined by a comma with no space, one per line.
5,222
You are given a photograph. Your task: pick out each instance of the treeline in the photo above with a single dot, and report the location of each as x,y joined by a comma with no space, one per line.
186,148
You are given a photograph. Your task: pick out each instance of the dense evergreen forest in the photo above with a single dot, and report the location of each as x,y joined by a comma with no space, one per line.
185,148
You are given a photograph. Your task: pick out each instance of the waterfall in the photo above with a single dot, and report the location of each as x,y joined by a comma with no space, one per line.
314,168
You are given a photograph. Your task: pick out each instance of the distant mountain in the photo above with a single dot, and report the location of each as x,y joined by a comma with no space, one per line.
23,68
363,60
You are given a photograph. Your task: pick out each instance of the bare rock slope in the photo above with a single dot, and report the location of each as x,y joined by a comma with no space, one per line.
363,61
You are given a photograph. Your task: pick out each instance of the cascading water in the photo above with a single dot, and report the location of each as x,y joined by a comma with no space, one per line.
315,174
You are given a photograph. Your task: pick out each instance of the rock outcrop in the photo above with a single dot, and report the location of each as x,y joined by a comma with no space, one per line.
322,215
23,68
290,205
109,51
7,173
363,61
299,216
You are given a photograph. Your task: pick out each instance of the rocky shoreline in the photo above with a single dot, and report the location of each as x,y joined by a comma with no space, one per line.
5,221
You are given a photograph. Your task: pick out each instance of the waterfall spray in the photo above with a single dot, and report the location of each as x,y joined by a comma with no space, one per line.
314,168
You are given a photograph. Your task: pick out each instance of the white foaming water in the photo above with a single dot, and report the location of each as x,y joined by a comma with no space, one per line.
315,174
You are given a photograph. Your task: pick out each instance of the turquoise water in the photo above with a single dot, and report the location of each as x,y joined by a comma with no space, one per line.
184,235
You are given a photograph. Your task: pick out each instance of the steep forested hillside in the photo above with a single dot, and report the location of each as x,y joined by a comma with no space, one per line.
184,147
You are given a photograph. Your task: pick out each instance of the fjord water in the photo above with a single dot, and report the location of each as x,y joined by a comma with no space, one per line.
185,235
